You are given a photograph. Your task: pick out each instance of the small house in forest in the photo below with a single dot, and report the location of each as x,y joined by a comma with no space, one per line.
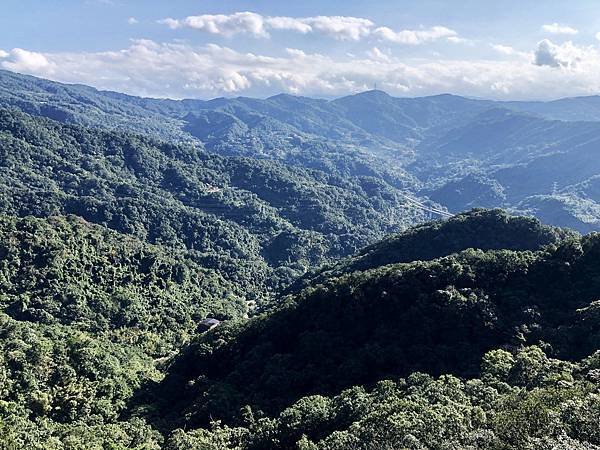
207,324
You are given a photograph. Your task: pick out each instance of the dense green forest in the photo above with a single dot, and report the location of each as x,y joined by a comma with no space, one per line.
476,349
437,317
260,223
63,270
481,229
520,401
348,319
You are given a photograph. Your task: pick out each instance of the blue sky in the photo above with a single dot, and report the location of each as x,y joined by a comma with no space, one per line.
202,49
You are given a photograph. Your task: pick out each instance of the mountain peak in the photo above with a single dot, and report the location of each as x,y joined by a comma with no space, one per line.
377,93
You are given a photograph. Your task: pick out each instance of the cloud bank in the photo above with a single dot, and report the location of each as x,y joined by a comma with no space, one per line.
179,70
566,56
338,27
19,60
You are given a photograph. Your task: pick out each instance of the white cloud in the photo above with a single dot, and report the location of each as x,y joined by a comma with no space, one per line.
226,25
179,70
507,50
338,27
295,52
503,49
598,36
460,40
556,28
378,55
20,60
414,37
566,56
3,54
132,21
173,24
288,23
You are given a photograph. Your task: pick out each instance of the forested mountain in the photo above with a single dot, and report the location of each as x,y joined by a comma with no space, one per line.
528,157
86,316
477,349
477,229
513,309
260,223
346,319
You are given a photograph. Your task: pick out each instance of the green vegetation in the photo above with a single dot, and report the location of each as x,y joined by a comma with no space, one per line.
64,270
436,317
62,389
521,401
477,349
125,222
479,229
259,223
88,315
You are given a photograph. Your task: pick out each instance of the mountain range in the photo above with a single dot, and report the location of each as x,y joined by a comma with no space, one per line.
381,272
534,158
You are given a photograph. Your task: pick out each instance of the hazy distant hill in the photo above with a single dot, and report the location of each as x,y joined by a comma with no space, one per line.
462,153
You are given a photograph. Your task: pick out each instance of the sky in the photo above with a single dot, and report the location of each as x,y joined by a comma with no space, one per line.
517,50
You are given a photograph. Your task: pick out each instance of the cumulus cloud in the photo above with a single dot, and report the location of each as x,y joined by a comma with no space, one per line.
226,25
289,23
414,37
179,70
556,28
3,54
338,27
132,21
565,56
19,60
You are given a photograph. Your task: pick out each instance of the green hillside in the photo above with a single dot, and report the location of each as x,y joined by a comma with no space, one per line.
86,317
477,229
63,270
437,317
260,223
477,349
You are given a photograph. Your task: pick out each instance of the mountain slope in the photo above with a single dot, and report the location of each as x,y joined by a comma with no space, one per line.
478,229
259,222
65,270
86,316
87,311
436,317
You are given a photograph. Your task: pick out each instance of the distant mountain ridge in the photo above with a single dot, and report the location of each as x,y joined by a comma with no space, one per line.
527,157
